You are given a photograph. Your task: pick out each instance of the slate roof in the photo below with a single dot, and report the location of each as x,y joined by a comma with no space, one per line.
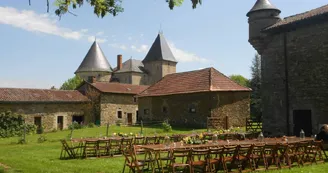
119,88
205,80
131,65
302,17
160,50
262,5
40,95
95,60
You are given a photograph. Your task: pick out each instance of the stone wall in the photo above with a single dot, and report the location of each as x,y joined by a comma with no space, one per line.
307,59
49,112
124,77
157,70
193,109
101,76
110,104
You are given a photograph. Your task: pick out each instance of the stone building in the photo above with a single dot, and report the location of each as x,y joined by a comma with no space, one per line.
53,109
158,62
294,60
189,98
115,102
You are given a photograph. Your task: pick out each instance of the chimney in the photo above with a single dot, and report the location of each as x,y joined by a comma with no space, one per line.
94,79
119,62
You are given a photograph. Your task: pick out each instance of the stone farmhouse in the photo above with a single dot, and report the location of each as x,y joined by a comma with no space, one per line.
294,52
110,95
190,98
53,109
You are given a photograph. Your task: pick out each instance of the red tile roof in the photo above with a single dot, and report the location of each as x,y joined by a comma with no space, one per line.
40,95
300,17
111,87
205,80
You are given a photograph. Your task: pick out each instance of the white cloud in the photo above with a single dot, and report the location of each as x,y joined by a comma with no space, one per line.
130,38
31,21
118,46
184,56
141,49
91,39
84,30
100,33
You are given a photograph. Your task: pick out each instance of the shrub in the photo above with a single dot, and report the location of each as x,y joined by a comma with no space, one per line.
42,139
12,124
75,125
91,125
166,126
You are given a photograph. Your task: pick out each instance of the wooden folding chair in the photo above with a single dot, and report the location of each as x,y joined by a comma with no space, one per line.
103,147
315,153
90,148
131,161
271,156
229,155
115,146
215,158
199,160
180,158
150,140
126,143
244,157
71,151
258,156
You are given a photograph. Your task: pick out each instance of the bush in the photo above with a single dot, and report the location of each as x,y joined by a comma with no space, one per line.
91,125
42,139
12,124
166,126
75,125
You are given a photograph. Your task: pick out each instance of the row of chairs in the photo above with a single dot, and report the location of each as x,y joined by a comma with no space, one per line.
253,157
107,147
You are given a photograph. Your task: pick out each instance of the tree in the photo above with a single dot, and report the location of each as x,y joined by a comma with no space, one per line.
71,83
241,80
104,7
255,84
53,88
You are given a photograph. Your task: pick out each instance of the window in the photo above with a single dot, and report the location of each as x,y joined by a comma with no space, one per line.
134,99
164,109
119,114
146,111
192,109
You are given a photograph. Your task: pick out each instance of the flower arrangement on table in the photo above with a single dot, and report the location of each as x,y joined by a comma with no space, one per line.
123,134
193,140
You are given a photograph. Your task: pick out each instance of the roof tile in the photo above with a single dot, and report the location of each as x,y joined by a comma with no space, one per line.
119,88
40,95
205,80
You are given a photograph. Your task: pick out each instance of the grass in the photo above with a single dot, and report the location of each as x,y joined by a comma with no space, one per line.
44,157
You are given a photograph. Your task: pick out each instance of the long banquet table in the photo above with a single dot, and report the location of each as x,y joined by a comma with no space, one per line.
154,150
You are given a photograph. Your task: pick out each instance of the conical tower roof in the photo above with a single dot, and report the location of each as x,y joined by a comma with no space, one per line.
95,60
160,50
262,5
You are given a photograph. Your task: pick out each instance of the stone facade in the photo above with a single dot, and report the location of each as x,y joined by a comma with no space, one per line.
131,78
49,113
100,76
294,60
111,104
193,109
157,70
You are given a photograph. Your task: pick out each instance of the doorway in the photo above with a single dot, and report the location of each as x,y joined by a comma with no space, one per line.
37,122
129,118
302,120
60,122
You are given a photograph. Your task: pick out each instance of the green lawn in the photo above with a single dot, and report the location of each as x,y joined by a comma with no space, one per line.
37,157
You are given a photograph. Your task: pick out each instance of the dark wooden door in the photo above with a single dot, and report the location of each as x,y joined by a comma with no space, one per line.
60,122
129,118
37,122
302,120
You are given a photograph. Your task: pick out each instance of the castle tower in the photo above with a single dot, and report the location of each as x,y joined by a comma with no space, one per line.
95,64
159,61
262,15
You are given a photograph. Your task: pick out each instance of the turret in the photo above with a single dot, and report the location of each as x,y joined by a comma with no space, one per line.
95,66
159,60
262,15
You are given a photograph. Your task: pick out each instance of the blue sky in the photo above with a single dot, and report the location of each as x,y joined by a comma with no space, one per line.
40,51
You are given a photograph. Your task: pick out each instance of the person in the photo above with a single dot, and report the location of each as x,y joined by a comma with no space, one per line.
323,134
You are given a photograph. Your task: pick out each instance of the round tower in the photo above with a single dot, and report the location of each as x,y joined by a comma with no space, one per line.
262,15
